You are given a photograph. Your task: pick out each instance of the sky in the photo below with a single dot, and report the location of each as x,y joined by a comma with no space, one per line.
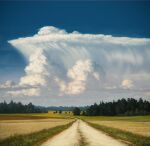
74,53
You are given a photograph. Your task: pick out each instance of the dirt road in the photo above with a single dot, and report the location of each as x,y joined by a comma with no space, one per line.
81,134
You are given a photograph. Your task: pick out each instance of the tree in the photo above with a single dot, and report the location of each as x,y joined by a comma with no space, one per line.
123,106
76,111
14,107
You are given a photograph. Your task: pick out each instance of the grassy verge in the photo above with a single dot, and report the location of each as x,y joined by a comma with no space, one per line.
123,135
33,138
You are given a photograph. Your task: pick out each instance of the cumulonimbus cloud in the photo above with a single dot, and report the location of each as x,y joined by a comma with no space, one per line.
78,75
75,61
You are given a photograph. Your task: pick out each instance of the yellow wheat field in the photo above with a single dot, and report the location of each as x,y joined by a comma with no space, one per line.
12,127
142,128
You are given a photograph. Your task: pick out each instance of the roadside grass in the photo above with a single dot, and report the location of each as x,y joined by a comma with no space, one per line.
135,139
33,139
117,118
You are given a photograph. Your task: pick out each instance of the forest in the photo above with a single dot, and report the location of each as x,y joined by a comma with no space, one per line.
122,107
14,107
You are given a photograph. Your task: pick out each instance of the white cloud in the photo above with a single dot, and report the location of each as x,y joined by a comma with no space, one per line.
36,75
79,75
25,92
77,60
130,58
80,70
36,71
7,84
127,84
47,30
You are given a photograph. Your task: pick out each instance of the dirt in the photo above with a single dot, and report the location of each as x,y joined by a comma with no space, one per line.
81,134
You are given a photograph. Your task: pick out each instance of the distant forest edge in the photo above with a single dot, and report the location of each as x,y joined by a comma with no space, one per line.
13,107
121,107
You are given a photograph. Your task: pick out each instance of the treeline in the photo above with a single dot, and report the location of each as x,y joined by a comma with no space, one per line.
64,108
14,107
126,107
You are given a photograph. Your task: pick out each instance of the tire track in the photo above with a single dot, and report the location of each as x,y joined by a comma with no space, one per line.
81,134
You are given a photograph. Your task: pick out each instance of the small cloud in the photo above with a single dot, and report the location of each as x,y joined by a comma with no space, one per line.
7,84
48,30
111,87
147,94
127,84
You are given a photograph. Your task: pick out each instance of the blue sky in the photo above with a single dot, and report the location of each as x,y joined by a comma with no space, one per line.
119,19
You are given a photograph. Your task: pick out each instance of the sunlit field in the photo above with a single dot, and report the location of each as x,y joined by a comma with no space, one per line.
136,124
118,118
50,114
13,124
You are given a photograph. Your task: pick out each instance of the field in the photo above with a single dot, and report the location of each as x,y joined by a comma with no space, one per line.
12,124
141,128
137,124
135,129
50,114
34,139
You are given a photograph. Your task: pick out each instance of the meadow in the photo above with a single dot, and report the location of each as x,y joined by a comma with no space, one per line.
135,124
135,130
16,127
50,114
35,138
16,124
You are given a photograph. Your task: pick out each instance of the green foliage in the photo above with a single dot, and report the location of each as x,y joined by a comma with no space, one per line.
135,139
33,138
60,111
76,111
14,107
126,107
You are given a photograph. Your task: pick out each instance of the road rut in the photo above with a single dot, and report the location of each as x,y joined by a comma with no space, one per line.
81,134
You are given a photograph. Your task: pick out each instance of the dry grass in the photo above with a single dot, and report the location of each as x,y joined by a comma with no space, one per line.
50,114
12,127
141,128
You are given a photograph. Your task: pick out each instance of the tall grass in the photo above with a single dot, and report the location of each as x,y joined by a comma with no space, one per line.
35,138
135,139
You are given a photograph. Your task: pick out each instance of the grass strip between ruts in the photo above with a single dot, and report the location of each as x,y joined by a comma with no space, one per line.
33,139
